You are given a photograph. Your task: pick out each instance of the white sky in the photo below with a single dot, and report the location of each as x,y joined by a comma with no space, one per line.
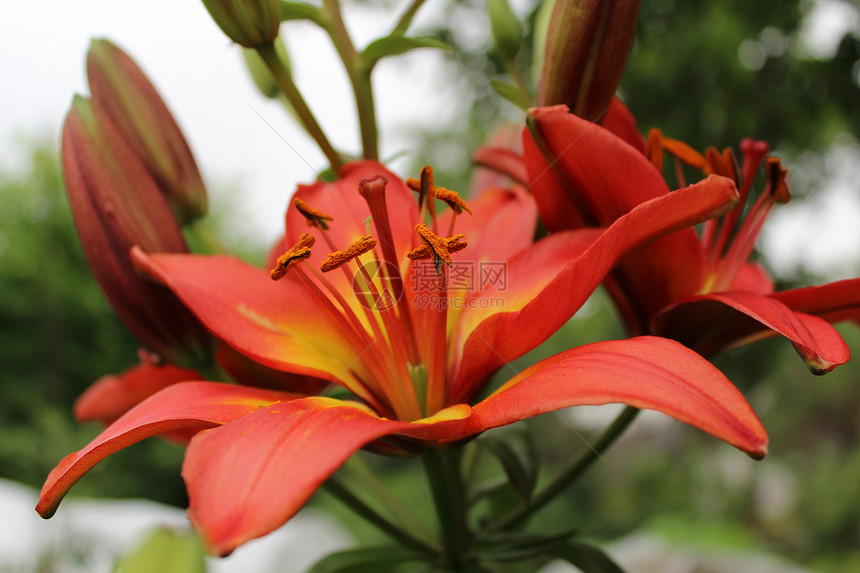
202,78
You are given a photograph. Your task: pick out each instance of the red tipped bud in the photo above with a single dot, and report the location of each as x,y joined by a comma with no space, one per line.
116,205
121,89
587,46
249,23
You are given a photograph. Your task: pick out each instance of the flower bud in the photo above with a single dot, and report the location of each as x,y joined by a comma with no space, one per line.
116,205
587,46
122,90
506,27
249,23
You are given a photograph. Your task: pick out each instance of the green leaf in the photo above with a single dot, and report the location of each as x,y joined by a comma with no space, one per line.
395,44
519,458
589,558
166,551
389,559
510,93
300,11
511,547
506,27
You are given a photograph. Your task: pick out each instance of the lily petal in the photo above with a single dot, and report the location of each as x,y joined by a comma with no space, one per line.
249,477
593,178
644,372
719,321
490,336
621,122
280,325
183,406
834,302
113,395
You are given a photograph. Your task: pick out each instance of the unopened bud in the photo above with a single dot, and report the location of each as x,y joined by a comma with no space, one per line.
587,46
249,23
121,89
116,205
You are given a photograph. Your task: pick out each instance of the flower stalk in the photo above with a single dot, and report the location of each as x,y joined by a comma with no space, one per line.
446,483
303,112
359,78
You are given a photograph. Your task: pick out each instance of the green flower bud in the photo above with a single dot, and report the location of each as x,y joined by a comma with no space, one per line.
587,46
121,89
249,23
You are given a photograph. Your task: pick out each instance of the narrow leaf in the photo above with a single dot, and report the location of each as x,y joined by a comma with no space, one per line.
510,93
300,11
365,560
588,558
518,456
395,44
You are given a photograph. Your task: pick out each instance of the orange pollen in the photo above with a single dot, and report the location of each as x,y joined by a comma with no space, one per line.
424,186
777,177
314,218
453,200
424,252
437,247
339,258
296,254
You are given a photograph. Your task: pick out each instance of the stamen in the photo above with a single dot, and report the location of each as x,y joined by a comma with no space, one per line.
424,252
437,245
453,200
777,180
296,254
684,152
338,258
654,148
314,217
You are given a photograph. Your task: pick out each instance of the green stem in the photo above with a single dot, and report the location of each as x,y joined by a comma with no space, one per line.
359,78
303,112
570,474
340,491
443,473
406,19
361,471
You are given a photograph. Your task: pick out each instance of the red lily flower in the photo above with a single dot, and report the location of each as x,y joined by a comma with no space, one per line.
413,355
701,292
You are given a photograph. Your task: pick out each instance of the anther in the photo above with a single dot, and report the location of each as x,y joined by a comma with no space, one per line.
339,258
296,254
453,200
777,178
425,188
314,217
436,247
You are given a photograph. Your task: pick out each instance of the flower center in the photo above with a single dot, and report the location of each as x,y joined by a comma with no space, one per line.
728,240
402,366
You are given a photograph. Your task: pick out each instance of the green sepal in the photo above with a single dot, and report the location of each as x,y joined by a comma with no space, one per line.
165,551
512,547
510,92
300,11
396,44
388,559
588,558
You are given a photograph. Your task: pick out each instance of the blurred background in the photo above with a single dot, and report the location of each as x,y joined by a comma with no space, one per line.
708,72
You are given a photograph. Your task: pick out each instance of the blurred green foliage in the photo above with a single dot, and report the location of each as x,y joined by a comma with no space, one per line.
59,335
